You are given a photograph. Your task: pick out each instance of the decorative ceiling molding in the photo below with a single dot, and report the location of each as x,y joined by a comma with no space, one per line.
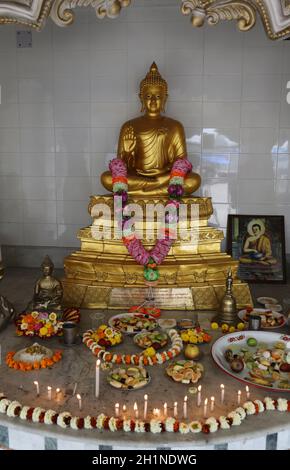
214,11
275,14
62,10
32,13
276,17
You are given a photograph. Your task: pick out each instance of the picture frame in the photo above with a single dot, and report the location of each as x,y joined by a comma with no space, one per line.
258,243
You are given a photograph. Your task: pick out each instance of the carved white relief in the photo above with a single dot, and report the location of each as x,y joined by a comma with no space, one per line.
275,14
33,13
62,10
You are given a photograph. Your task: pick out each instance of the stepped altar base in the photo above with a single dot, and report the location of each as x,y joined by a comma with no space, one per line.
103,275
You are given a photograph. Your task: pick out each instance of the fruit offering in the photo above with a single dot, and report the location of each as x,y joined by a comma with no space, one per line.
195,335
156,340
106,336
185,372
128,378
264,364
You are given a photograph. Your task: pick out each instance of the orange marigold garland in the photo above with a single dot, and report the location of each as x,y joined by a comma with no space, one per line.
27,366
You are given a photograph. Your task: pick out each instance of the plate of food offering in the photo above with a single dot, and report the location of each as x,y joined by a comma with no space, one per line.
131,323
270,319
155,339
128,378
259,358
185,371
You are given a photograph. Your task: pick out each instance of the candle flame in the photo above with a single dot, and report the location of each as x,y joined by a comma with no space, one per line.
185,398
239,392
57,390
79,397
247,388
98,362
199,388
124,408
146,397
35,382
175,403
205,401
222,386
48,388
135,406
212,398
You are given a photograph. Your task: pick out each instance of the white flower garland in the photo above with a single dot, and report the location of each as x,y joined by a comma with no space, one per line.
14,409
136,359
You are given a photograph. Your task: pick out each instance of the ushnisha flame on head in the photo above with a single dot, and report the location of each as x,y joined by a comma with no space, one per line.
153,77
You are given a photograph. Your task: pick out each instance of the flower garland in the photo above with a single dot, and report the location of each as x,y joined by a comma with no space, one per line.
65,420
151,259
27,366
137,359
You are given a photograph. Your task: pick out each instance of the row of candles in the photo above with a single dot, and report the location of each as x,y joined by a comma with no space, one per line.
156,411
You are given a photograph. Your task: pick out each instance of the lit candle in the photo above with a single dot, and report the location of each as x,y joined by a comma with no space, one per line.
185,407
199,395
80,401
175,413
136,412
117,410
49,392
165,410
145,406
75,388
98,363
248,392
124,411
222,393
156,412
37,387
205,407
212,403
57,393
239,397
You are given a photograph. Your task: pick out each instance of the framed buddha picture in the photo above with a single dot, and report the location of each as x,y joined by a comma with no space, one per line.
258,243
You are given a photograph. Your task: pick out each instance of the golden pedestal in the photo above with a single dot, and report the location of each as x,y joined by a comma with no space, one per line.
103,275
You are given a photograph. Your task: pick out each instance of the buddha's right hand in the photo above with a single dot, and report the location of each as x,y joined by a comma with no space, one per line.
129,140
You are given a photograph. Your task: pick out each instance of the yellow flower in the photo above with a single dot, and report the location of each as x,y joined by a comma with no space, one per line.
149,352
214,325
225,327
34,314
185,337
241,326
109,332
232,329
43,331
102,327
48,324
53,316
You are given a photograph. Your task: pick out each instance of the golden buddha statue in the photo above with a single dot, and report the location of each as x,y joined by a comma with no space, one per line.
48,290
102,274
151,143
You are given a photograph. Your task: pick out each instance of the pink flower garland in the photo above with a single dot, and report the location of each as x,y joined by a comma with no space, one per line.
150,259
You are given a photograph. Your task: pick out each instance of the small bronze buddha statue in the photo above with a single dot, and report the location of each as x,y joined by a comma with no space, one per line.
48,290
151,143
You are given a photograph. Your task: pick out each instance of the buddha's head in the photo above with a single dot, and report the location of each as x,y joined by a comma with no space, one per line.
153,92
47,266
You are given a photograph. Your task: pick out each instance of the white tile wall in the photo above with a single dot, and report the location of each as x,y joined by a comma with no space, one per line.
64,100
